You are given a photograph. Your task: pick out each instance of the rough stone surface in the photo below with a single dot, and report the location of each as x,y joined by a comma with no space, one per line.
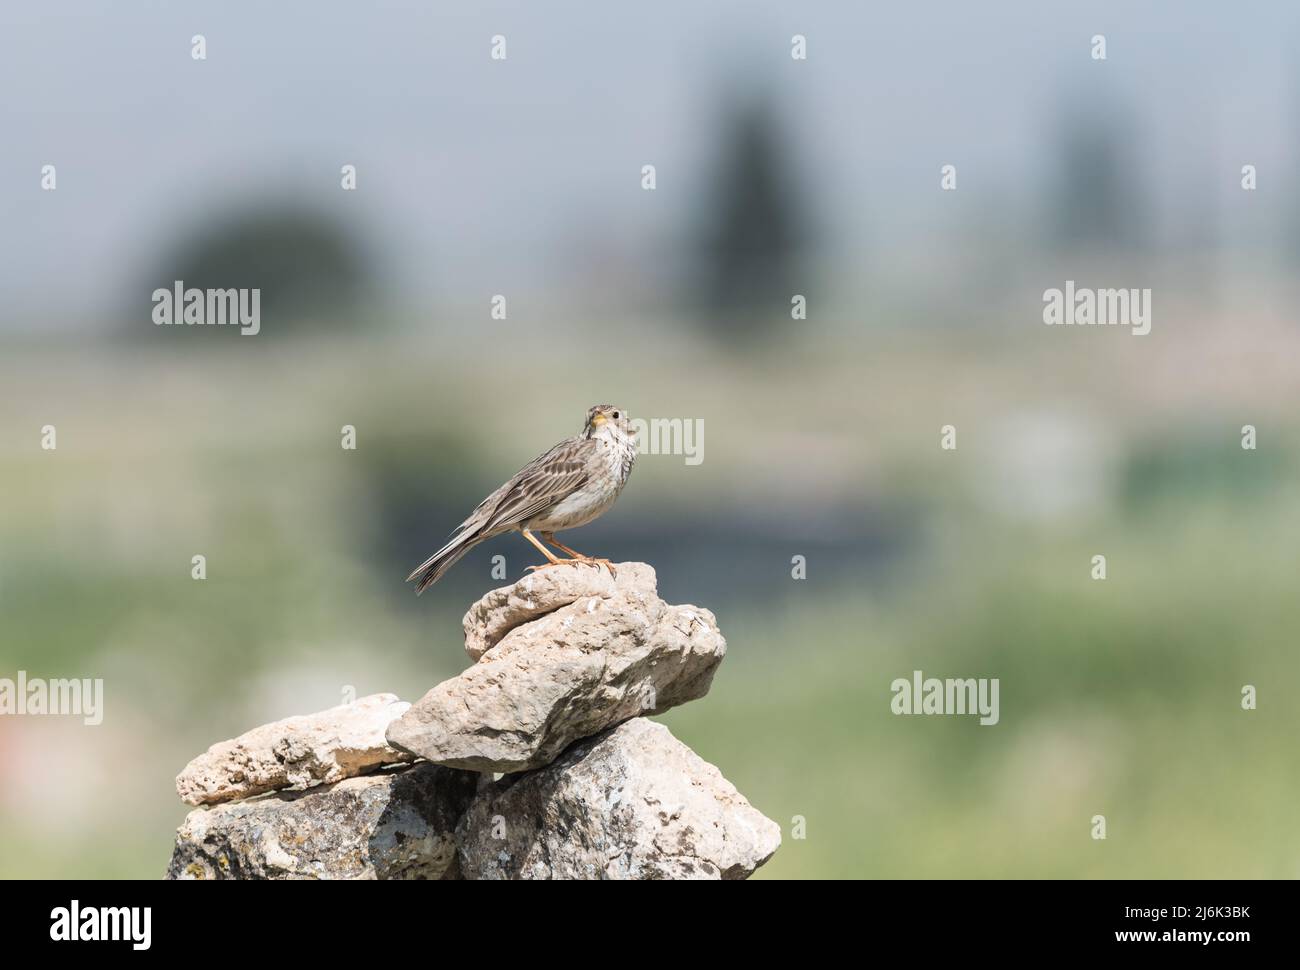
295,753
563,654
565,663
630,803
542,592
395,824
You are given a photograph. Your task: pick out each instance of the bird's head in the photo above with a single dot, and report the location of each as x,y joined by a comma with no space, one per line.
609,419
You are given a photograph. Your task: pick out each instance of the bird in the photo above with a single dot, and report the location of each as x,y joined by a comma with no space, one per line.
574,483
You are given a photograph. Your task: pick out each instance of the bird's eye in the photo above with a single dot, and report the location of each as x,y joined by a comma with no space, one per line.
615,415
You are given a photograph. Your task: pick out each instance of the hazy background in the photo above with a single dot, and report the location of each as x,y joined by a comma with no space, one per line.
819,177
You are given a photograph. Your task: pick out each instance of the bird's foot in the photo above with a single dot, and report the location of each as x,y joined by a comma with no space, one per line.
557,562
597,561
593,561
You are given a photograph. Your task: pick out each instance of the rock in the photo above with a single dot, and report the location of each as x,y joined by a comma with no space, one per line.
395,824
630,803
542,592
297,752
562,655
566,662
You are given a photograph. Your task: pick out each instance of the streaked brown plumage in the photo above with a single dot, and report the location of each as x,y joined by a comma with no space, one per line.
572,484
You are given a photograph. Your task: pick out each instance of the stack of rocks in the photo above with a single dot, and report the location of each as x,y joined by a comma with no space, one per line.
535,763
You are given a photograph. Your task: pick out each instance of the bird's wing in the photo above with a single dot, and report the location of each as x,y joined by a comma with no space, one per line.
542,483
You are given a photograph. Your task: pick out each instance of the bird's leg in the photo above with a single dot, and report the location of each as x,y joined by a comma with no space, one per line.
594,560
550,537
551,559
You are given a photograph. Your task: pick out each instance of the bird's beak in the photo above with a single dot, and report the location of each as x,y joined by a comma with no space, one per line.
597,420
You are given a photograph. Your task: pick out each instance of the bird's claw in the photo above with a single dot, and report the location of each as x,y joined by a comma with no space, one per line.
583,561
558,562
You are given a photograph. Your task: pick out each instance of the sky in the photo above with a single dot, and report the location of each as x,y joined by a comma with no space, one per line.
475,174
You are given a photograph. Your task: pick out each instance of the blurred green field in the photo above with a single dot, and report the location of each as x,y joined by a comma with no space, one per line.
1119,698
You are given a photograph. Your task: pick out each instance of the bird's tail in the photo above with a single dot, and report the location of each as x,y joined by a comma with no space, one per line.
432,569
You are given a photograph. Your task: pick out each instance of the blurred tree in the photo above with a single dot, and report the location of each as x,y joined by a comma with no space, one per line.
308,269
753,225
1098,202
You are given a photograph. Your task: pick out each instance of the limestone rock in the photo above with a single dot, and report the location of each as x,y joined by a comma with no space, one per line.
563,654
394,824
542,592
630,803
296,752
